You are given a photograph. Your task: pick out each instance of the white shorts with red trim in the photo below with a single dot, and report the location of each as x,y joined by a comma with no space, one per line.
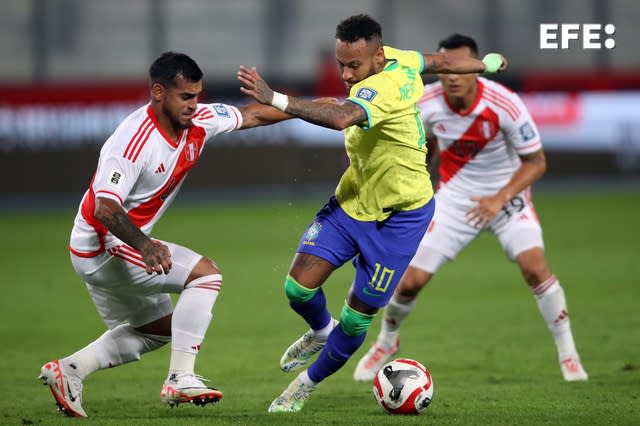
123,291
516,226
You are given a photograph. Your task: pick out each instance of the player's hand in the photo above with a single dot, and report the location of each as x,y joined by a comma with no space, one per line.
156,257
484,211
253,85
504,64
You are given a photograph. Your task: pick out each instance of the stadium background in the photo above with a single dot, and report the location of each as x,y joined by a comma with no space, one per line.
72,69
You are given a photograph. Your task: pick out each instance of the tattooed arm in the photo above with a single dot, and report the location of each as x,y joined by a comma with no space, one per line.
156,256
331,115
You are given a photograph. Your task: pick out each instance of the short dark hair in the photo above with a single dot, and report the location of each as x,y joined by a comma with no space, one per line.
169,65
456,41
360,26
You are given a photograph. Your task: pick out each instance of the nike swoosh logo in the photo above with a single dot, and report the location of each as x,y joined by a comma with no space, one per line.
72,397
368,292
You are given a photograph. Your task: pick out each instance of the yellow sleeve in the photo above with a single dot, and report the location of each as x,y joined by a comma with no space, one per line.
372,95
410,58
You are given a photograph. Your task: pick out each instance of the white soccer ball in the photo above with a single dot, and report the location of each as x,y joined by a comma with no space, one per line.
403,386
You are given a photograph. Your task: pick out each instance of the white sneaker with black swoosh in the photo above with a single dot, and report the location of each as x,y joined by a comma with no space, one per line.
65,386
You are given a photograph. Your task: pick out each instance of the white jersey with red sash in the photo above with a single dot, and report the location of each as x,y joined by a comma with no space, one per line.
142,169
479,149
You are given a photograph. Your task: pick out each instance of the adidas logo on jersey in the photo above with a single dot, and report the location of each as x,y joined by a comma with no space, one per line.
160,168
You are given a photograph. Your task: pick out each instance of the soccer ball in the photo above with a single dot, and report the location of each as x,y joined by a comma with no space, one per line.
403,386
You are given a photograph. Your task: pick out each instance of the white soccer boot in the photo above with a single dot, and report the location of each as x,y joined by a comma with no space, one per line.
301,351
182,388
373,360
292,398
65,386
572,370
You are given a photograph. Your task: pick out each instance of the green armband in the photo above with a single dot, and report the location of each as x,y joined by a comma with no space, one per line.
492,61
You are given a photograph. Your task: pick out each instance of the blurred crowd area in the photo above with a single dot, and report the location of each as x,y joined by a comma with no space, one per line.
73,69
88,40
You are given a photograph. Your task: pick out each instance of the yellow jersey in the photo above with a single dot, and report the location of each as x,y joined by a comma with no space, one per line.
387,152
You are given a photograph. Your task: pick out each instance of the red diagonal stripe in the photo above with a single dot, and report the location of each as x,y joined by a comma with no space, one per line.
456,155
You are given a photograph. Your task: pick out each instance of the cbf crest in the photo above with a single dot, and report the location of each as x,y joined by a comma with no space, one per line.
312,233
366,93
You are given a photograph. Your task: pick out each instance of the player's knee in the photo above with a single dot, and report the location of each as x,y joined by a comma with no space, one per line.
296,292
207,266
412,282
535,275
205,271
354,323
533,268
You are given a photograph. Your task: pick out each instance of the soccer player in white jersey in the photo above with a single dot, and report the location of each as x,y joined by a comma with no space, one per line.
490,153
129,274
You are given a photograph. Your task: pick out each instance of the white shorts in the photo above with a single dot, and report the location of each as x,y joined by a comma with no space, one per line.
516,226
123,291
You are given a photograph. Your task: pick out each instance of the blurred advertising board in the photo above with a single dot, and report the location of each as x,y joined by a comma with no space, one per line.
68,117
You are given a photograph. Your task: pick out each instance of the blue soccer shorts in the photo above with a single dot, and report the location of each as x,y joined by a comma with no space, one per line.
380,251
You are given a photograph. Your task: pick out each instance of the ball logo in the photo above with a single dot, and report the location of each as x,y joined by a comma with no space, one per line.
587,36
397,379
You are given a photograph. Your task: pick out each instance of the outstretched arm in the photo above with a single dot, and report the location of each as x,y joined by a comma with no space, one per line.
254,115
443,63
331,115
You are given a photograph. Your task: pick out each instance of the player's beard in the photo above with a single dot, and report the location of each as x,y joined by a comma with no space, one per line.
175,119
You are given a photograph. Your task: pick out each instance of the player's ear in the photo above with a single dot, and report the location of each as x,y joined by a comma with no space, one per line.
379,55
157,92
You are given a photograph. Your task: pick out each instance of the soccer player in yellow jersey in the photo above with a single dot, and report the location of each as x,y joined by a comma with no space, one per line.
382,205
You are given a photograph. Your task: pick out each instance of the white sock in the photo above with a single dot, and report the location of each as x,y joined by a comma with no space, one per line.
553,307
181,363
115,347
304,378
324,332
394,315
191,318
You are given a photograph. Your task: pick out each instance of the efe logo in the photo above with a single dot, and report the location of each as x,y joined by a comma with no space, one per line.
590,34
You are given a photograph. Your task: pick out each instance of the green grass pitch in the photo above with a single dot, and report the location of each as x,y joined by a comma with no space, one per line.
476,326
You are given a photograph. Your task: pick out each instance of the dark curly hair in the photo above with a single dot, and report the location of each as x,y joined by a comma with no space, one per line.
360,26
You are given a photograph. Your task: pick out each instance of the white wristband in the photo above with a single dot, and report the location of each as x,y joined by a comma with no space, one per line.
280,101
